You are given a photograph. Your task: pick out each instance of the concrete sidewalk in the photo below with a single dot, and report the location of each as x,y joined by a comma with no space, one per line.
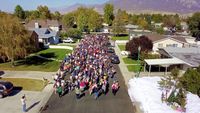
35,100
126,75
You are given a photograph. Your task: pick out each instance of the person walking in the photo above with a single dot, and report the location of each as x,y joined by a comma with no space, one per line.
115,87
23,100
59,91
78,92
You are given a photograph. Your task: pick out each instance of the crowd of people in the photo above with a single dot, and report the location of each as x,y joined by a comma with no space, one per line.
89,67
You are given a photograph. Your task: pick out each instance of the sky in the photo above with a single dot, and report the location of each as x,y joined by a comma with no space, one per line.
9,5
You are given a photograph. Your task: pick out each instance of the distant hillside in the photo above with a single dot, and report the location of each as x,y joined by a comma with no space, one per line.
142,6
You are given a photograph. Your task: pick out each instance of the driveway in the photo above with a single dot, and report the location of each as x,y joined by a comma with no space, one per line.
35,99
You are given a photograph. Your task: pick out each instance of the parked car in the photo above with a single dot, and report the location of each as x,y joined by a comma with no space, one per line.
5,88
68,40
111,50
115,59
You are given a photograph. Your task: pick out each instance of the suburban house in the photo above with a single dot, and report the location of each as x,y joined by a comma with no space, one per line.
130,27
137,33
46,36
171,57
162,41
54,25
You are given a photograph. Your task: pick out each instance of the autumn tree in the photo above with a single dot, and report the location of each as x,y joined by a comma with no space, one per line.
69,19
14,41
19,12
121,19
108,13
144,42
44,12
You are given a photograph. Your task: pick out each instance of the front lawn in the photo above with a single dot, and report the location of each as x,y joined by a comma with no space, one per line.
120,38
54,53
135,68
32,63
27,84
122,47
130,61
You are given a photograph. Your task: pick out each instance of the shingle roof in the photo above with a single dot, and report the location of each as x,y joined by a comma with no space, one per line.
189,55
43,23
44,32
156,37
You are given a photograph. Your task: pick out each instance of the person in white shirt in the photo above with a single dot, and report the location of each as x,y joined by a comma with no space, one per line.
23,100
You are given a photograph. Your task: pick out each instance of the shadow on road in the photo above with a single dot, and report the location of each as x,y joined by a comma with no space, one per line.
29,108
1,73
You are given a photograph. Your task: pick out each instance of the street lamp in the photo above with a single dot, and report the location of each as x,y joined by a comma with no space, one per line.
138,60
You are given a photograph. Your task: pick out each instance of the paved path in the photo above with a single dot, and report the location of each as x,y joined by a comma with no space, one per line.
120,103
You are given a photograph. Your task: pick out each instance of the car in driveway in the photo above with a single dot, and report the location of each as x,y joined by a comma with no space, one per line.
68,40
5,88
114,59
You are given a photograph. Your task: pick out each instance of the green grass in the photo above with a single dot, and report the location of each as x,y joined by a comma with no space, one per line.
120,38
33,63
135,68
130,61
27,84
122,47
54,53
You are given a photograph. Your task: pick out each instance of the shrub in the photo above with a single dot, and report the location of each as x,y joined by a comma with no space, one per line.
191,81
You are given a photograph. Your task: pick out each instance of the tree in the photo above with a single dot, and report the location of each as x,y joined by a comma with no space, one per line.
15,41
191,80
82,22
119,22
194,25
69,19
144,42
94,21
74,33
142,23
57,15
19,12
108,13
44,12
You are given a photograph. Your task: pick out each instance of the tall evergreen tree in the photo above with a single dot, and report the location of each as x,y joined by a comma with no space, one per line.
19,12
108,13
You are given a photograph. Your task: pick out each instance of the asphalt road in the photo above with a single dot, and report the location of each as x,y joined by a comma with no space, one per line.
120,103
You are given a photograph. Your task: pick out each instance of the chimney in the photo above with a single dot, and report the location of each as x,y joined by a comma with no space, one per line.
36,25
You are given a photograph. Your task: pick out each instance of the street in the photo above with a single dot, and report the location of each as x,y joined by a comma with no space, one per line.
120,103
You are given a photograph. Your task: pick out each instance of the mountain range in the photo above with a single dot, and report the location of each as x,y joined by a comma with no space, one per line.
144,6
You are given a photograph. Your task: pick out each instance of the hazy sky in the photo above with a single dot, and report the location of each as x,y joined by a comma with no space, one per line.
9,5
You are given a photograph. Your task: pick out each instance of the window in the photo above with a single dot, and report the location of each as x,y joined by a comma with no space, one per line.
175,45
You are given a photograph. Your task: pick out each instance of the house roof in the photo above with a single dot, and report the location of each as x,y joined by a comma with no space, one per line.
164,62
43,23
44,32
156,37
189,55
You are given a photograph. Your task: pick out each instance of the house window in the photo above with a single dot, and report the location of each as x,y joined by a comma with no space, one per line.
175,45
160,45
172,45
